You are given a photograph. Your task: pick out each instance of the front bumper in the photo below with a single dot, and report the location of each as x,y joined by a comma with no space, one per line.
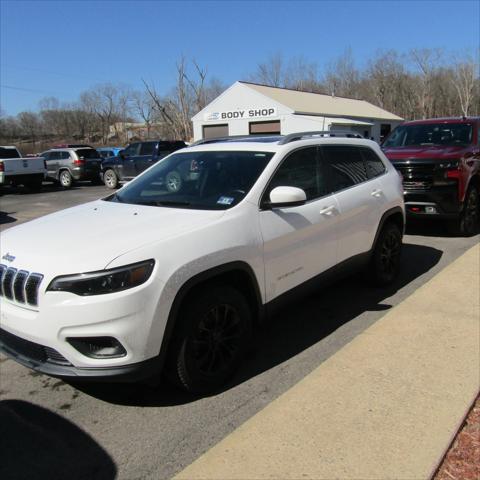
48,361
437,202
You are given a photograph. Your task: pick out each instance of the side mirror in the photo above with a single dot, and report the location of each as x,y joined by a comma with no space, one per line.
287,197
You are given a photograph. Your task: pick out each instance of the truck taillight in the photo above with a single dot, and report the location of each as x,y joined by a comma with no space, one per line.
2,167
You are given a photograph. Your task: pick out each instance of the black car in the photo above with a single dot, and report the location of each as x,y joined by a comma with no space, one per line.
136,158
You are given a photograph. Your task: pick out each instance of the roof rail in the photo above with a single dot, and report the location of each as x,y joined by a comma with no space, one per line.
203,141
292,137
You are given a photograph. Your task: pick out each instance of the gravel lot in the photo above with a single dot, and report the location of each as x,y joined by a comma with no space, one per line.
57,430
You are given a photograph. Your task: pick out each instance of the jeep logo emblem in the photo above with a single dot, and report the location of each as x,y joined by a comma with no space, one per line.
8,257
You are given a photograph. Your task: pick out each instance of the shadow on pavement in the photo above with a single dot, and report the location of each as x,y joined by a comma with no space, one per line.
6,217
37,443
298,327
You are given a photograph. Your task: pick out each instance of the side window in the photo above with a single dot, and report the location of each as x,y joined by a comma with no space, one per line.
132,150
45,155
64,155
345,166
54,156
147,148
373,164
300,169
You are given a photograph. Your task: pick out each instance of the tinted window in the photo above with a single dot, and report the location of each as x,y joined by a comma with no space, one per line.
373,164
300,169
9,153
345,165
87,153
64,155
55,155
147,148
214,180
45,155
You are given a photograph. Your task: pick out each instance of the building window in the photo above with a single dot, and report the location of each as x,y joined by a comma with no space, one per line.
215,131
264,128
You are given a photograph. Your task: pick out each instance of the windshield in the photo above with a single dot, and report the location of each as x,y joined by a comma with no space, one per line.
201,180
448,134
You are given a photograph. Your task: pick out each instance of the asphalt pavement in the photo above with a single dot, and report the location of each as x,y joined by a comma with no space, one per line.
137,431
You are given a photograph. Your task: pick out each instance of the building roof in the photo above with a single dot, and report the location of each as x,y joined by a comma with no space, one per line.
319,104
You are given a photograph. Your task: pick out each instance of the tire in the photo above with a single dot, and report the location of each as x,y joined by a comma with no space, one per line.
384,265
173,181
65,179
469,218
110,179
211,339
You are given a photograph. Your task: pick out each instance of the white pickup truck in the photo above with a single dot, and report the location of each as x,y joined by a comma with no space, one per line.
16,170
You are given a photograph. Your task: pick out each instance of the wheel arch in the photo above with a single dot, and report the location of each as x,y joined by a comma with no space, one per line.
394,215
239,274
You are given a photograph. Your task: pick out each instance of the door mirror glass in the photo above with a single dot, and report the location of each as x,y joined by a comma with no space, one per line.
287,197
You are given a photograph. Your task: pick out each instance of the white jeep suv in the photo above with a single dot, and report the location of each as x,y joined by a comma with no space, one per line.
147,279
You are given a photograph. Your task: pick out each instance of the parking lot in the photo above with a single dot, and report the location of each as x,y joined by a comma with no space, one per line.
141,431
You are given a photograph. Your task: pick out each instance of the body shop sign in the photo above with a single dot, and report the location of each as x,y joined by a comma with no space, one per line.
239,114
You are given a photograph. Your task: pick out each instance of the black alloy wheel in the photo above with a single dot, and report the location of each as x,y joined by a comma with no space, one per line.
210,340
385,263
217,339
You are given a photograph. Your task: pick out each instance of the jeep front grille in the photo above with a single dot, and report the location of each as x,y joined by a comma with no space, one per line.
19,285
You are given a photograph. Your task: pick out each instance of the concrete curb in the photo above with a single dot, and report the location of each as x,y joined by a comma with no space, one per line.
383,407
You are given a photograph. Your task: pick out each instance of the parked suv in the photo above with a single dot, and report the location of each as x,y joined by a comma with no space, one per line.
66,165
136,158
182,279
440,163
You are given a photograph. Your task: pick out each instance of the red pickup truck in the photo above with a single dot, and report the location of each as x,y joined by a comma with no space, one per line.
439,160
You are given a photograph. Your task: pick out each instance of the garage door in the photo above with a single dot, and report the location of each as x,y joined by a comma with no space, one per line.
215,131
262,128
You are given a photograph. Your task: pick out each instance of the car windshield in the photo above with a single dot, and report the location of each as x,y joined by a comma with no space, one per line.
212,180
448,134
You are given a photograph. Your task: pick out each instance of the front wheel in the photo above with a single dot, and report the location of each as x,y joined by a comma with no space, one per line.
110,179
211,339
469,218
384,265
65,179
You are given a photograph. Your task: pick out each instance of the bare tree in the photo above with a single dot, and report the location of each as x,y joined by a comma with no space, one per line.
464,78
342,77
30,126
144,107
271,72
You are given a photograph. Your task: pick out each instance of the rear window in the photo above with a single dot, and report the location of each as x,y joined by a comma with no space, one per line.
87,153
9,153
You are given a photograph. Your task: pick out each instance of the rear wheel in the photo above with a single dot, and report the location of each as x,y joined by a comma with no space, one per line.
469,218
65,179
211,339
385,262
110,179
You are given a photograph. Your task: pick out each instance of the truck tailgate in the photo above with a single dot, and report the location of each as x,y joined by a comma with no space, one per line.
23,166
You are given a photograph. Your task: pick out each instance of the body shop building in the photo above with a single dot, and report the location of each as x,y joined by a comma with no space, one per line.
252,109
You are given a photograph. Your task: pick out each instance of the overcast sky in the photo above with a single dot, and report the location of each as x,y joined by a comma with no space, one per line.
62,48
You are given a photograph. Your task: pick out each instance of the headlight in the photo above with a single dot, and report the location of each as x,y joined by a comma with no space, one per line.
104,281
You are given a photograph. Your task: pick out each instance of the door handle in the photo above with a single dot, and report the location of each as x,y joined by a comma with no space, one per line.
327,210
377,193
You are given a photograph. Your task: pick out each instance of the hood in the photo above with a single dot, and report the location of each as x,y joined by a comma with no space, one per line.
439,152
88,237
